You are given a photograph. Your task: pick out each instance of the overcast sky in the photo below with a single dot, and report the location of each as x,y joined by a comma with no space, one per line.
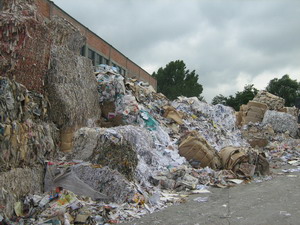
229,43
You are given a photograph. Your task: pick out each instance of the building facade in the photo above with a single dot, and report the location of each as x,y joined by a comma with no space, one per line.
97,49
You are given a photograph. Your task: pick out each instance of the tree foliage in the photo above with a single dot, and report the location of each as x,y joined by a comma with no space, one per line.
175,80
285,88
241,97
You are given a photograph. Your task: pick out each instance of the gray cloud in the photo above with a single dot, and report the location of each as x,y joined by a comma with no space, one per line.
229,43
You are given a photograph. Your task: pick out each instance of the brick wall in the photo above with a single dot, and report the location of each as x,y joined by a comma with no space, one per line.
48,8
44,8
118,57
97,44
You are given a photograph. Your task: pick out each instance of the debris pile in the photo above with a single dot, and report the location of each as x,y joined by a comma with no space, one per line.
125,149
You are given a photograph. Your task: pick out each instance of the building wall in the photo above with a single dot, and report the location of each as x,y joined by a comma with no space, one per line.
99,46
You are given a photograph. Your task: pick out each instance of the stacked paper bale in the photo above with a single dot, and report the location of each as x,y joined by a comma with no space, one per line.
290,110
272,101
252,112
25,44
70,84
26,139
281,122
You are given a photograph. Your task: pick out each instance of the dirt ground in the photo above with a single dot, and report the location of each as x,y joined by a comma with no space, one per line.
271,202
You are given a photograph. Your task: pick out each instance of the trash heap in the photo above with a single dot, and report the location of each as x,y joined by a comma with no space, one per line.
138,165
125,150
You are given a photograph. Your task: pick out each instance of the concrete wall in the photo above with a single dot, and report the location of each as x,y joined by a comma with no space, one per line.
98,45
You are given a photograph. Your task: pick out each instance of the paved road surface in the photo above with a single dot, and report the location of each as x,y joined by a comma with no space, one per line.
272,202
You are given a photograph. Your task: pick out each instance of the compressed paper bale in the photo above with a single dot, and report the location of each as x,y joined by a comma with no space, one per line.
257,135
239,118
244,162
25,44
89,140
63,33
281,122
252,112
71,89
107,181
258,142
27,144
255,113
25,139
66,139
231,156
195,148
105,148
258,105
290,110
18,183
272,101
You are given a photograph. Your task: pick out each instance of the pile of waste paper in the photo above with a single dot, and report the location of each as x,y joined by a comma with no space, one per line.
101,148
152,152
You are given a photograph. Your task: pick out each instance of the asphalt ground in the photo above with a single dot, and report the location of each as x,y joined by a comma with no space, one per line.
273,201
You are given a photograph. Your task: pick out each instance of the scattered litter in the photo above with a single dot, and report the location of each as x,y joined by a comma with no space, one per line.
285,213
201,199
236,181
290,175
291,170
204,191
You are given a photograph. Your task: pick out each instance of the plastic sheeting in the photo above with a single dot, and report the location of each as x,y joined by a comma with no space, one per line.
86,179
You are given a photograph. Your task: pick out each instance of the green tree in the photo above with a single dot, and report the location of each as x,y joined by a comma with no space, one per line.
285,88
240,98
219,99
175,80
